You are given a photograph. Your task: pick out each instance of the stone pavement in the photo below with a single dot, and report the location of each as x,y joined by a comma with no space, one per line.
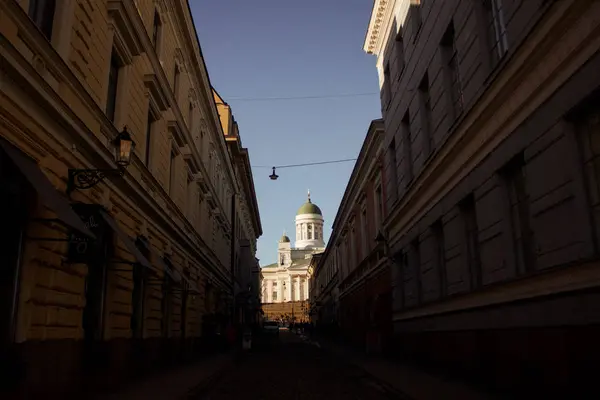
414,383
291,369
176,383
296,368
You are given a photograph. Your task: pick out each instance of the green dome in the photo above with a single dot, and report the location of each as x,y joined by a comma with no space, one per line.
309,208
284,239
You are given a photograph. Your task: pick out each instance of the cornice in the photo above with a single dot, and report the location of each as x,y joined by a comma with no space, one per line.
359,174
182,13
374,32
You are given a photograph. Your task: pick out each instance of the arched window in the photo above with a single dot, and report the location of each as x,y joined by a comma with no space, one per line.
310,231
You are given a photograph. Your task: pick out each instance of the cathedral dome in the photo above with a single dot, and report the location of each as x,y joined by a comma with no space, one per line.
284,239
309,208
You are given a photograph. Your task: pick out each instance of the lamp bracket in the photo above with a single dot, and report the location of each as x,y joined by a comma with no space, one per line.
88,178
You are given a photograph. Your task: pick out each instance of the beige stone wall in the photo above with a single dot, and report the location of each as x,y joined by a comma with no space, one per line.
62,108
274,311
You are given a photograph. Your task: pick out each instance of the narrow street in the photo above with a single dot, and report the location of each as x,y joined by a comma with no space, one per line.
292,369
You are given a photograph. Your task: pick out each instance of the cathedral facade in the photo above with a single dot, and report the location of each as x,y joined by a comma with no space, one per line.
286,281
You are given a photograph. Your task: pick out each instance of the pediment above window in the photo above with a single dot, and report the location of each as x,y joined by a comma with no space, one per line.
156,92
126,39
186,152
176,132
199,177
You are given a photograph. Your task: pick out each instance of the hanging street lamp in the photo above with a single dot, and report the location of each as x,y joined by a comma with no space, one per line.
273,176
122,146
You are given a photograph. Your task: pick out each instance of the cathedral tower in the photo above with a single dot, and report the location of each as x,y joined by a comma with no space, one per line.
309,226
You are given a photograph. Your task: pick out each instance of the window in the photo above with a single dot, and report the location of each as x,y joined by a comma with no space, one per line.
167,300
190,116
415,260
113,83
149,129
138,293
192,190
282,259
516,185
41,13
417,18
496,29
471,232
156,31
407,147
173,172
437,230
378,207
176,82
451,72
184,301
425,106
392,169
399,51
274,295
354,248
365,231
310,231
386,96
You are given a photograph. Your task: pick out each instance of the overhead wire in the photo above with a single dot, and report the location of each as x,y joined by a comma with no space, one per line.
305,164
326,96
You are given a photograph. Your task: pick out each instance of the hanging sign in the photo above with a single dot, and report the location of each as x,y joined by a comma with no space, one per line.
83,249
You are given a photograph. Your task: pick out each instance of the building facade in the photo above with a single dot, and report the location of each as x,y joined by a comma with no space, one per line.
352,277
246,223
491,110
286,281
122,275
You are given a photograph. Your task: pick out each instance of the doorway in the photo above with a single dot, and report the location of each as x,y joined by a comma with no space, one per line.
15,199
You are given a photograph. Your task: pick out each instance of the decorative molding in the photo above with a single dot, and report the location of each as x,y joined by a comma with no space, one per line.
156,91
126,39
192,96
177,134
161,8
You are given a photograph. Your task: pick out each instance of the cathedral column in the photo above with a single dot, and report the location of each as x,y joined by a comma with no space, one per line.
298,292
269,291
305,289
289,287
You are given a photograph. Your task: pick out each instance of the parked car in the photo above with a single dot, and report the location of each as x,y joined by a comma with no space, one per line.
271,328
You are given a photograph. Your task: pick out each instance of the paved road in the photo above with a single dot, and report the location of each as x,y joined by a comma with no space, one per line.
290,369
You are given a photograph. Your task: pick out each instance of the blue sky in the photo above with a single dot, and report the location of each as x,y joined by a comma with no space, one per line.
275,48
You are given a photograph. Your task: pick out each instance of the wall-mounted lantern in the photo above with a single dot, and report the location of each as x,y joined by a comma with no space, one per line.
122,146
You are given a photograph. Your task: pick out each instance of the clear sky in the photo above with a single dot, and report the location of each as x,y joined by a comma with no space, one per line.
285,48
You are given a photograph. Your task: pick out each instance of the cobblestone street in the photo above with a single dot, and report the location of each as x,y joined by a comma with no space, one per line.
292,369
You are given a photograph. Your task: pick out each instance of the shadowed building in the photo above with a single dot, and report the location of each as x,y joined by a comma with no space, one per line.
352,277
491,191
117,278
246,222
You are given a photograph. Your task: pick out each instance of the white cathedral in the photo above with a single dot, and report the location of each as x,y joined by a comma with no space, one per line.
287,279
